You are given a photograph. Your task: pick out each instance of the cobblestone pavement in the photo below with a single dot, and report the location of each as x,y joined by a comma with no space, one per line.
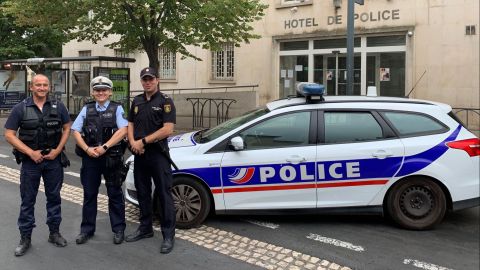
236,246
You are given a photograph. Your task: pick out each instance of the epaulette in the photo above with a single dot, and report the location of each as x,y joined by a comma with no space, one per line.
90,102
165,96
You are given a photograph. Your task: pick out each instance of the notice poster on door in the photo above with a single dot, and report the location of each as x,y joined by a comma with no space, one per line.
329,75
384,74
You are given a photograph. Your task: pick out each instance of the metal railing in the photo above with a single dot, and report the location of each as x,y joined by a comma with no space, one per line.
200,107
204,109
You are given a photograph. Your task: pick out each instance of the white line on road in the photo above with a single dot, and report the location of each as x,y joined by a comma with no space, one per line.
335,242
73,174
3,156
263,224
424,265
78,175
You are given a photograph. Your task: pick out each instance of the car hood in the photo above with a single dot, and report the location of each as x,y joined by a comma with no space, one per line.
182,140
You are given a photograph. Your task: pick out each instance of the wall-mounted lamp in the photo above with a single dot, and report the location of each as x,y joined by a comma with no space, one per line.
409,33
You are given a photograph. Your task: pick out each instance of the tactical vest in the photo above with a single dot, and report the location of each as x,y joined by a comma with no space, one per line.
40,132
99,127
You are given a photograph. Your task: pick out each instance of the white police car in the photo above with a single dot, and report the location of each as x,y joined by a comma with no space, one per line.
409,159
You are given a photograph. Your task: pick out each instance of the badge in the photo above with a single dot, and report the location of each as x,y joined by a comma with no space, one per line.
135,110
167,108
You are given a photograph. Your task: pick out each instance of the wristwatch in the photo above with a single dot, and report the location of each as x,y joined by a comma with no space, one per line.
105,147
144,141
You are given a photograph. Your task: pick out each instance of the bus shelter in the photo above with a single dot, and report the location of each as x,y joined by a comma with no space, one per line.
69,79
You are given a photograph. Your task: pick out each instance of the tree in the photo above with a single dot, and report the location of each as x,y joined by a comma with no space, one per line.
26,41
145,24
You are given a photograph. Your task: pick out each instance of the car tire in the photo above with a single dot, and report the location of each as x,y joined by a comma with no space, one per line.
416,203
192,202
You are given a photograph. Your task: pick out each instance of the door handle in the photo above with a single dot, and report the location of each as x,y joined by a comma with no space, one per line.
296,159
382,154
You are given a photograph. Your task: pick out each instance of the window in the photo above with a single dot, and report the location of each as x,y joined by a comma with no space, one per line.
294,2
85,65
123,54
412,123
223,63
294,45
386,41
168,64
343,127
287,130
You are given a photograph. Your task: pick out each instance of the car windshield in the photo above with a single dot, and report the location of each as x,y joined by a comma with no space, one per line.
215,132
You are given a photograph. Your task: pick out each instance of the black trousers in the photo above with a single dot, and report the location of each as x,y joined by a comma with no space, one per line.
91,176
153,165
52,173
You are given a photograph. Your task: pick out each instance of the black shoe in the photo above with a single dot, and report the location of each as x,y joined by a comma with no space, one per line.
57,239
118,237
137,235
167,245
82,238
23,246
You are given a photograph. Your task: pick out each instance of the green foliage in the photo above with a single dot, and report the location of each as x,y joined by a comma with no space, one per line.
24,41
145,24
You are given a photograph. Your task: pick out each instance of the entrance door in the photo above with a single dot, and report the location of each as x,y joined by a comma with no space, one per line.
337,75
293,69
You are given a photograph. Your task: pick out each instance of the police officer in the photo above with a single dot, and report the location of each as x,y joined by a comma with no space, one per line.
44,126
99,130
150,122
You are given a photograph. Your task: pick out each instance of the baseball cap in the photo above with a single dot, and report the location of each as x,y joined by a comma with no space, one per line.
101,82
148,71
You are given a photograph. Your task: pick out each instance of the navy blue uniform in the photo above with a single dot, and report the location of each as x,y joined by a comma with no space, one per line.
50,170
148,116
107,117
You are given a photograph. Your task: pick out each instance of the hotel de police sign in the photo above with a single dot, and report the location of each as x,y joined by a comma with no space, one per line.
372,16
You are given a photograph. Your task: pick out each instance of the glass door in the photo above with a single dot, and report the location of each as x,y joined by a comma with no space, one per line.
293,69
336,75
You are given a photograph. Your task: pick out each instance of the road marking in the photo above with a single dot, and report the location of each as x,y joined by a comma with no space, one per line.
78,175
3,156
263,224
73,174
335,242
245,249
424,265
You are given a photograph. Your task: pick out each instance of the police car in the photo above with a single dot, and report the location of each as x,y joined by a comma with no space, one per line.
411,160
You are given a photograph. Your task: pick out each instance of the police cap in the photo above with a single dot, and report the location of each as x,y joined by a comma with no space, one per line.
101,82
148,71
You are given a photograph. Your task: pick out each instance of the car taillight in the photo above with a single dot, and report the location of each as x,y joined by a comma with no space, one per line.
471,146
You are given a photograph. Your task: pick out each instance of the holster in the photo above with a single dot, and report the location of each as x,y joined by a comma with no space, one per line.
19,156
79,151
64,159
116,171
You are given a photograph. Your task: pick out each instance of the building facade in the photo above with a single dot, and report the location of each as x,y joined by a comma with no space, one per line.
430,46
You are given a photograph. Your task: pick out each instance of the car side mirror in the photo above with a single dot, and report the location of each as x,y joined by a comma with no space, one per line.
236,143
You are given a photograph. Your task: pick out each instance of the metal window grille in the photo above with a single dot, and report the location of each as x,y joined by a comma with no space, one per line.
168,64
85,65
223,67
121,53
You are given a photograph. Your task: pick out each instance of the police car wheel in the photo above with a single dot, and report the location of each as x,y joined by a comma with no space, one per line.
416,204
192,202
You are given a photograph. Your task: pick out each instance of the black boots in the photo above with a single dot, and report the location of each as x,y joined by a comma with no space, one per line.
23,246
57,239
167,245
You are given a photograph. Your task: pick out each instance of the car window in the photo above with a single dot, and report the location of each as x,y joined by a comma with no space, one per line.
282,131
412,123
341,127
229,125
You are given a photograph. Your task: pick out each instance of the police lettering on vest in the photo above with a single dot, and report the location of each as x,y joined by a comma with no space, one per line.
38,132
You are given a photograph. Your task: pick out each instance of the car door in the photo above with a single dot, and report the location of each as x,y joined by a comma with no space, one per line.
358,155
276,170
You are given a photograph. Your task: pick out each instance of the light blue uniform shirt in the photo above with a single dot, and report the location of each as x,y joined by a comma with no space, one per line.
78,123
